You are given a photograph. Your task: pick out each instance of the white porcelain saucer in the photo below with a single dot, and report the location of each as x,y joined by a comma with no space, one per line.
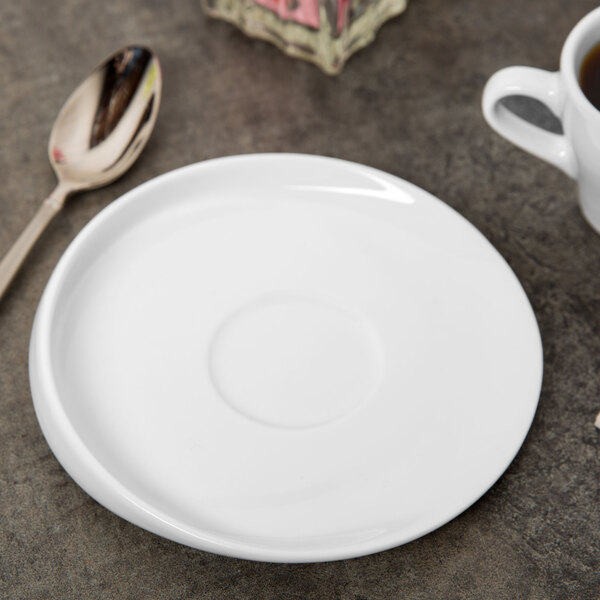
284,358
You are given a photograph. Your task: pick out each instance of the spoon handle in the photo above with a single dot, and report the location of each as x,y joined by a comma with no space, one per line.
20,249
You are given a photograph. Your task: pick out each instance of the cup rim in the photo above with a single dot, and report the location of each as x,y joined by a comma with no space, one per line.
567,60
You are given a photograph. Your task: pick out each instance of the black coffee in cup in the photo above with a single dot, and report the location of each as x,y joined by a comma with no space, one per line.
589,76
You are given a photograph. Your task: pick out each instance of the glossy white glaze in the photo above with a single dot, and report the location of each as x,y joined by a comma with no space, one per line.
284,358
577,150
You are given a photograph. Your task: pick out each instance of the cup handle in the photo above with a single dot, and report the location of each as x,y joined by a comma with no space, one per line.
540,85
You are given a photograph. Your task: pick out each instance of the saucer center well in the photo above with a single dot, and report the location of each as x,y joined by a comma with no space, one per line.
293,361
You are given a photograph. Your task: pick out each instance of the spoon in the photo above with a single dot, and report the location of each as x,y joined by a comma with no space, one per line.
97,136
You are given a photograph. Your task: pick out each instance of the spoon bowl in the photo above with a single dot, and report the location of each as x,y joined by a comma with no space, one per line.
98,134
107,120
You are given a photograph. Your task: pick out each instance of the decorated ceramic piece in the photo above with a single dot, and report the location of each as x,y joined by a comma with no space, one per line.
324,32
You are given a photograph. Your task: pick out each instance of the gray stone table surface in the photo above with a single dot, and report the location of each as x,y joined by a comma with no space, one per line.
408,104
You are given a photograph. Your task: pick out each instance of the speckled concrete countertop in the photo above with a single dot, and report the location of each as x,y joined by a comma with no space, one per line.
408,104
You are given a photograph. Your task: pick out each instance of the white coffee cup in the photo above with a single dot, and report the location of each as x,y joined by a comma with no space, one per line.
577,150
